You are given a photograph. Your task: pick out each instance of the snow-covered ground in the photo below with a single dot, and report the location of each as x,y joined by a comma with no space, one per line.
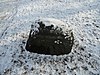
82,16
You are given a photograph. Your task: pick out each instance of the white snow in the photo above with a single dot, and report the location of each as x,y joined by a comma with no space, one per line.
82,16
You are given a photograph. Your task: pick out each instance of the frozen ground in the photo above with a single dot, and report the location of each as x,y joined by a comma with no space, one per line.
16,16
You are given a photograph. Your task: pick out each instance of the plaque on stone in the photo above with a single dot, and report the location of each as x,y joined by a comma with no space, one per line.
50,36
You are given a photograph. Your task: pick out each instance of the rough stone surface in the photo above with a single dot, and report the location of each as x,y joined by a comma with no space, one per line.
16,16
